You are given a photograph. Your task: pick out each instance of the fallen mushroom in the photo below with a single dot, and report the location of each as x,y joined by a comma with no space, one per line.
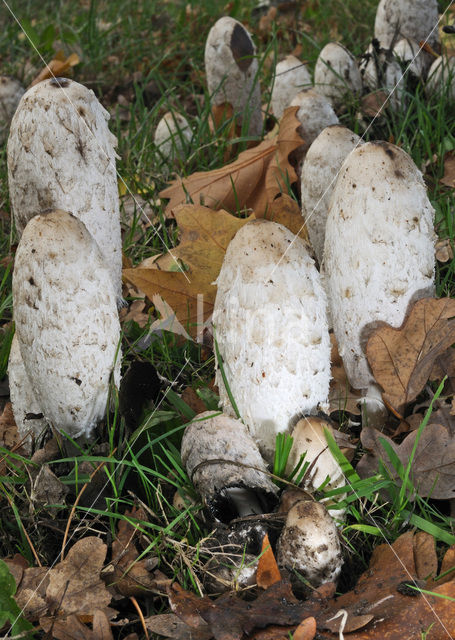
319,172
336,73
441,77
309,543
66,320
315,113
172,137
27,412
291,76
379,248
232,72
226,467
11,91
414,19
271,332
61,154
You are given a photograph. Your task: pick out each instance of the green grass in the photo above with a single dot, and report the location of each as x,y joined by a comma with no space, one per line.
151,53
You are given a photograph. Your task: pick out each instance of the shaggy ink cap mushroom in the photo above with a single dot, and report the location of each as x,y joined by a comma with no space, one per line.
441,77
336,73
60,129
232,72
379,248
172,137
226,467
291,76
66,320
315,114
271,330
413,19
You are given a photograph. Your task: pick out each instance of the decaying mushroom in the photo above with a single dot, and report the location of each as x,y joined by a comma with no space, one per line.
11,91
441,76
310,543
416,60
66,319
379,69
291,76
172,137
336,73
61,154
226,467
319,172
232,72
379,248
315,113
414,19
271,330
27,412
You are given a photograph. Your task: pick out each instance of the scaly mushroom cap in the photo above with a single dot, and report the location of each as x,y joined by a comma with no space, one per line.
319,172
441,76
61,155
219,454
414,19
26,409
380,70
172,135
66,321
271,330
232,71
336,73
310,544
11,91
291,76
315,114
408,52
379,248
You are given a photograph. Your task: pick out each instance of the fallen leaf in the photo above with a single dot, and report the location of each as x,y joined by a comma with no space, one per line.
448,179
135,312
170,626
342,397
433,467
251,182
267,572
9,436
48,491
205,235
444,250
306,630
402,359
57,68
285,210
425,557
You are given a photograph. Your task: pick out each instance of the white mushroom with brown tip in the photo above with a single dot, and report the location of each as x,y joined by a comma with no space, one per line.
61,155
271,331
11,91
66,320
226,467
414,19
441,77
172,137
336,74
291,77
309,543
315,113
232,72
379,248
319,173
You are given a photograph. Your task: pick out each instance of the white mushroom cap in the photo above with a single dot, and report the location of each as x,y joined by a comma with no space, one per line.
320,169
380,70
172,137
61,155
210,439
315,113
66,321
11,91
27,412
379,248
232,71
414,19
271,329
336,73
310,544
408,52
442,75
291,76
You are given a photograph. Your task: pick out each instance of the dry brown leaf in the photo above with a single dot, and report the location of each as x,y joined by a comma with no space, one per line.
57,68
306,629
402,359
267,572
9,436
205,235
286,211
444,250
251,182
342,397
425,557
448,179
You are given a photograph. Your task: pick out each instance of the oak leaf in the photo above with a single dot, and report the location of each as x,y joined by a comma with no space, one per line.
403,359
251,182
205,236
267,572
59,67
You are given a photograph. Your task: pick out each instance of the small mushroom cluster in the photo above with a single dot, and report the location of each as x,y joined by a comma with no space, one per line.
67,271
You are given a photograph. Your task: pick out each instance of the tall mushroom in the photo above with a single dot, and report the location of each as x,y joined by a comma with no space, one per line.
379,248
441,76
61,154
315,113
336,73
232,72
414,19
291,76
271,331
66,319
171,138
